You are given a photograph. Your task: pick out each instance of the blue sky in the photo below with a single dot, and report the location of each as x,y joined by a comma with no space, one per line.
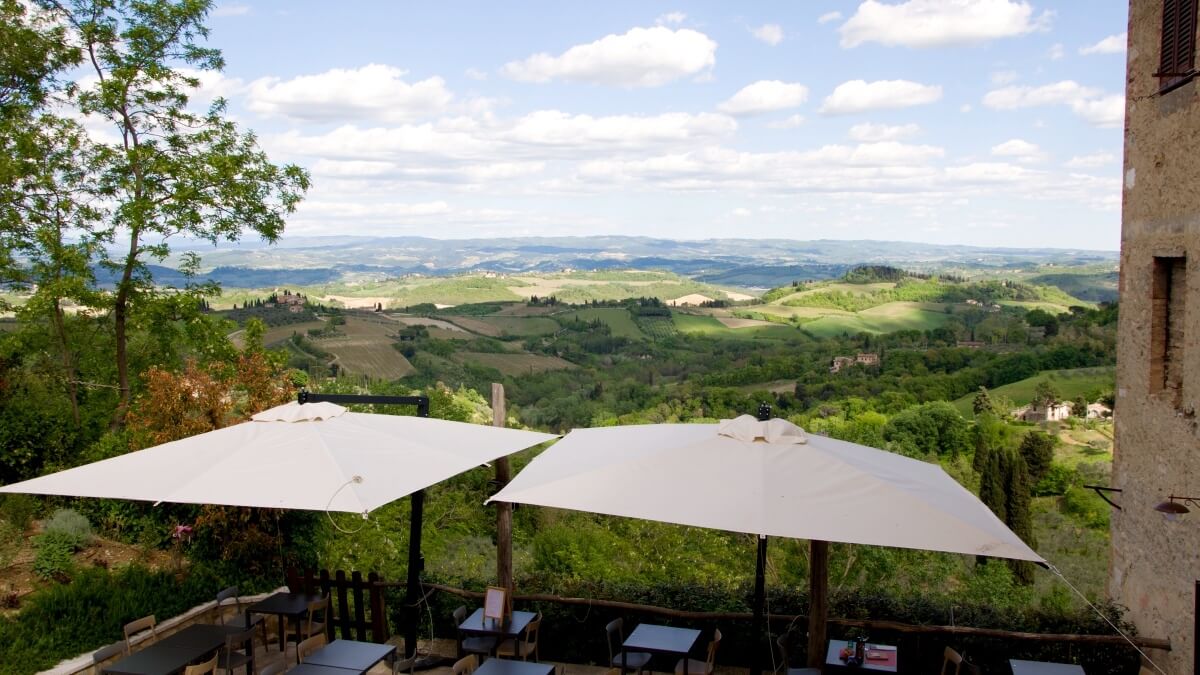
993,122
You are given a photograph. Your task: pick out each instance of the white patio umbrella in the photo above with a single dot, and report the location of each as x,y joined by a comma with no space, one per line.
312,456
769,479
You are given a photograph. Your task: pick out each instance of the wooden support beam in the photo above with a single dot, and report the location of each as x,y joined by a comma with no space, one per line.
818,601
504,569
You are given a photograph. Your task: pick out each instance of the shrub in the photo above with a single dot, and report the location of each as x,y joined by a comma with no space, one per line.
55,555
70,526
1056,481
19,510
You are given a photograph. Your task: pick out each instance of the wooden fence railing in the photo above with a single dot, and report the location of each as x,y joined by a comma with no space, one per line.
356,605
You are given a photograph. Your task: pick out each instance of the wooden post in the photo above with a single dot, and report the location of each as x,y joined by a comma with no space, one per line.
504,570
818,601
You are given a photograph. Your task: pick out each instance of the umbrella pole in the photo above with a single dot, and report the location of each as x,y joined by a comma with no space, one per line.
818,601
415,564
760,603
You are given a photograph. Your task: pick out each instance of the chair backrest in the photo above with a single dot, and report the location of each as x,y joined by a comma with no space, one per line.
309,645
531,631
615,628
209,666
401,665
951,657
460,615
223,595
465,666
138,625
105,653
712,649
783,643
275,668
318,612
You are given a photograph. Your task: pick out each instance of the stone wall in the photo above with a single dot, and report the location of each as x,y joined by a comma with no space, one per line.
1154,562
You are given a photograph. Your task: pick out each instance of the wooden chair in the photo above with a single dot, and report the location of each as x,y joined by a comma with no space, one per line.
706,666
400,665
951,658
314,623
238,620
105,653
466,665
471,645
137,626
635,661
308,646
239,647
275,668
206,668
518,648
782,646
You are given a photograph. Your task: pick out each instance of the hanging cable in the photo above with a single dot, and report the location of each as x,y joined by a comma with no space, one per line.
1095,609
329,515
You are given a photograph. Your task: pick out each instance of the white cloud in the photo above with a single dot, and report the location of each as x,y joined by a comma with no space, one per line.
939,23
829,16
859,96
675,18
790,122
555,128
1019,149
965,108
1056,51
765,96
642,57
231,10
1004,77
371,92
1092,161
770,33
741,212
1093,105
870,133
1113,44
476,74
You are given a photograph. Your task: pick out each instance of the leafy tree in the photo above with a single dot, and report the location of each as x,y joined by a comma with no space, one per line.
931,428
1037,449
173,171
1046,394
1079,407
982,403
1004,484
1044,319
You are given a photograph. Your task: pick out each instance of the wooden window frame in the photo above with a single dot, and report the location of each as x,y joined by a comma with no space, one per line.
1177,46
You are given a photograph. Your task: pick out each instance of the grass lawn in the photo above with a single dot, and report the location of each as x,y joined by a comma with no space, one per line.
1072,383
707,325
886,318
616,318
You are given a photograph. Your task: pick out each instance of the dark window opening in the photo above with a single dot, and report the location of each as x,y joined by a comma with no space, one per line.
1177,60
1168,295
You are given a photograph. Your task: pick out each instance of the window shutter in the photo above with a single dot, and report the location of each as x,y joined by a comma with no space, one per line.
1178,56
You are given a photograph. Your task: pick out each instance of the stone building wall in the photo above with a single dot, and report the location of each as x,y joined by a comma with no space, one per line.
1157,452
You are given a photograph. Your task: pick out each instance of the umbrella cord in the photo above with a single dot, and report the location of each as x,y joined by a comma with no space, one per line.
329,515
1120,632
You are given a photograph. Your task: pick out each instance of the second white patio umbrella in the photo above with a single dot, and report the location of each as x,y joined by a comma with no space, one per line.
765,478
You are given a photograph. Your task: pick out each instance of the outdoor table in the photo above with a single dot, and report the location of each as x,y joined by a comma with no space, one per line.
314,669
513,667
887,664
1020,667
660,640
509,629
350,655
172,653
286,606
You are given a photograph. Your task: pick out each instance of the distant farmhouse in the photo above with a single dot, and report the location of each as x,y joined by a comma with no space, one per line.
1057,411
862,359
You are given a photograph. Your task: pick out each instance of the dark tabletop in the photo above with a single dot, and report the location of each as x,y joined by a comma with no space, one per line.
314,669
284,604
512,667
512,627
661,639
1043,668
885,665
349,654
172,653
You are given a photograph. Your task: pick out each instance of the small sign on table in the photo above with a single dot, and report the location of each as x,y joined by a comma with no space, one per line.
495,604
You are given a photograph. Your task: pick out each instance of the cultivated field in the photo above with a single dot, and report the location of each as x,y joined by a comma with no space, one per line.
497,326
708,325
616,318
887,318
364,348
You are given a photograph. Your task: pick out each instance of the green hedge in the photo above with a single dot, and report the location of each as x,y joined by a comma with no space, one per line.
65,620
576,633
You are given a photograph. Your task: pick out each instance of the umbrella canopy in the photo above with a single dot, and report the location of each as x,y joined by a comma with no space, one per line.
313,456
771,479
767,478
